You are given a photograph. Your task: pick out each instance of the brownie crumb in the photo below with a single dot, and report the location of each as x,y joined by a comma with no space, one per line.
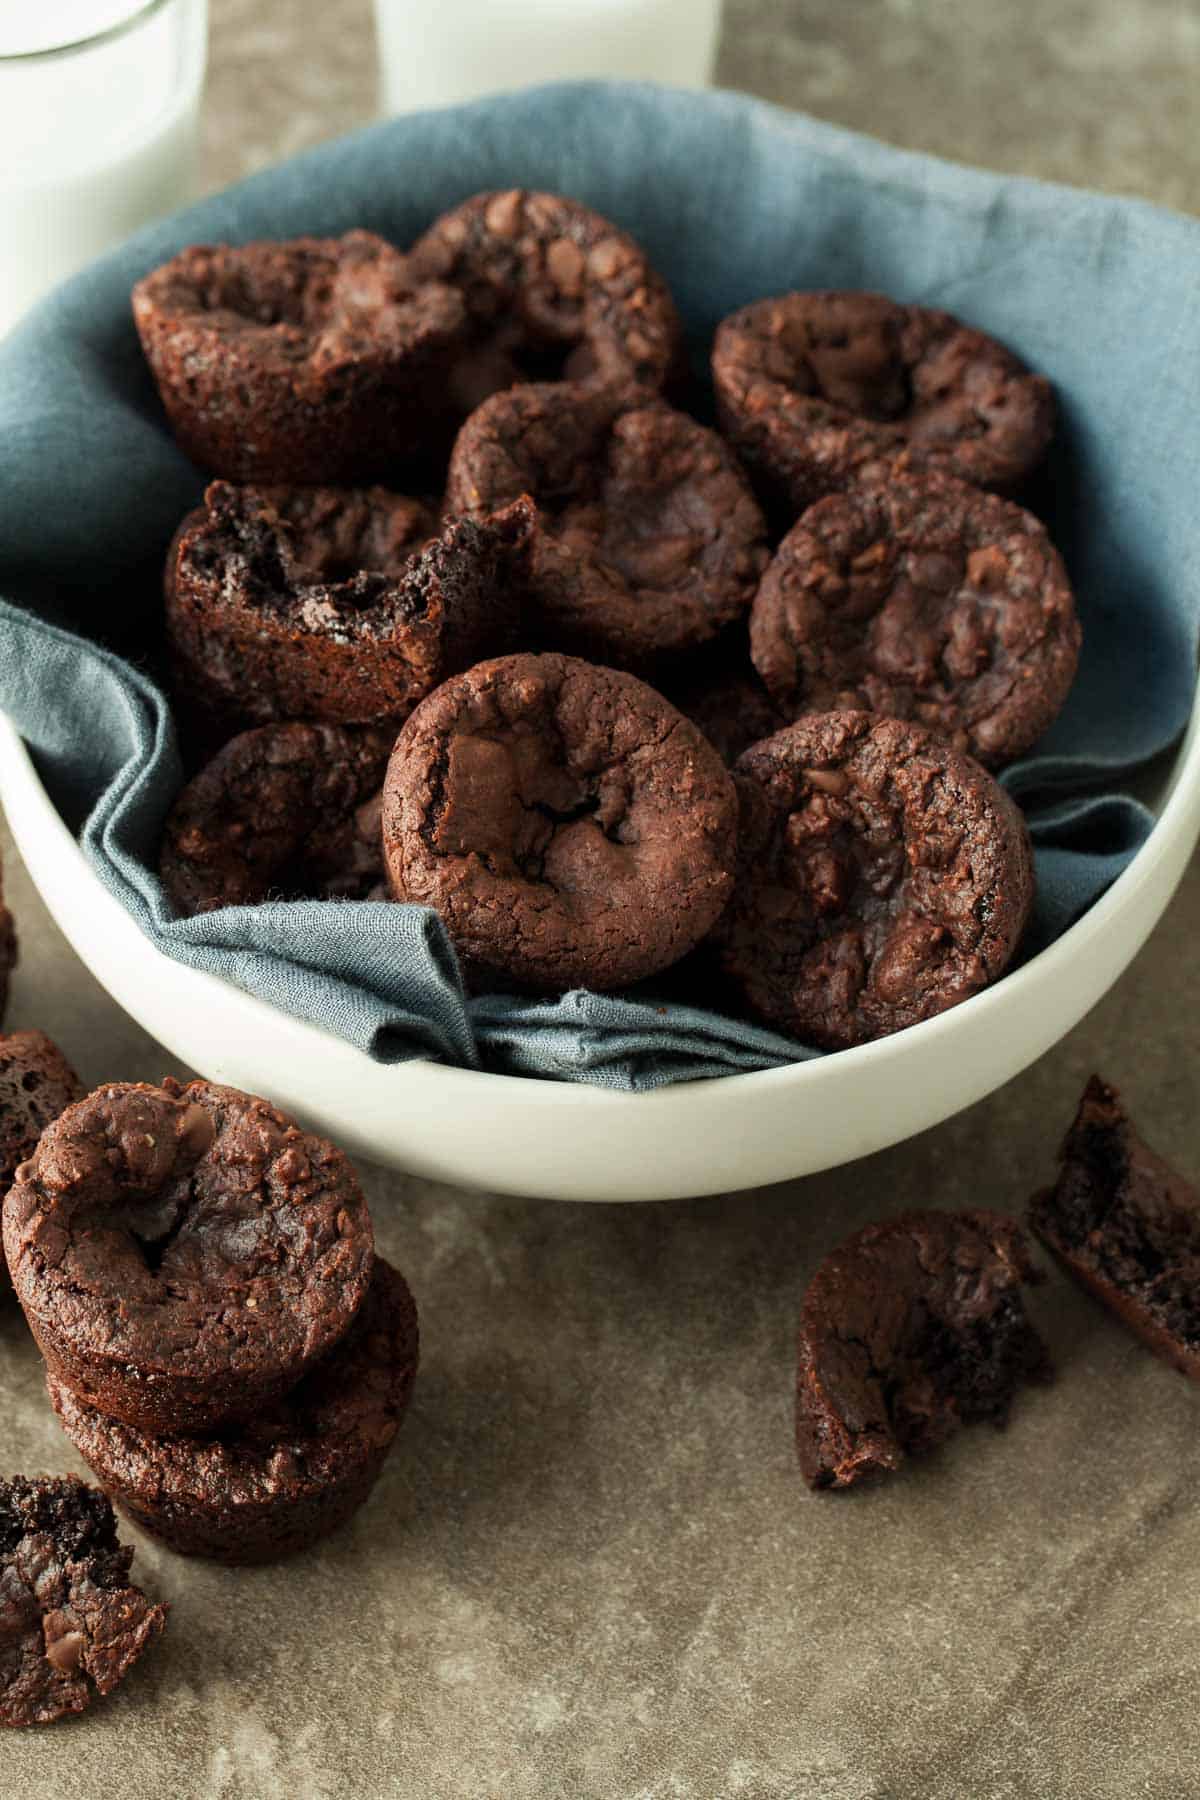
1127,1228
68,1615
910,1329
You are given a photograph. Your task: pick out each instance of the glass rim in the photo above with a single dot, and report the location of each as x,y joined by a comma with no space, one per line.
116,30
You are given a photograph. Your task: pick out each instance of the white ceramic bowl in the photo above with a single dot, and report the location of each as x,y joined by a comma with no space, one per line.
567,1141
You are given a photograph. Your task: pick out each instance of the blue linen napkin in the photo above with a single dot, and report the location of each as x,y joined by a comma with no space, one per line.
733,199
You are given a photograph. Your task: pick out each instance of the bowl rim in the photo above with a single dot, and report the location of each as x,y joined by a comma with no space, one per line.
1178,818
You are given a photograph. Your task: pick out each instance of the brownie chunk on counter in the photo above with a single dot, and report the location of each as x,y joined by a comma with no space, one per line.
909,1330
184,1255
552,291
314,360
286,1477
69,1618
925,599
1127,1228
339,605
648,540
817,390
883,876
570,827
285,810
36,1083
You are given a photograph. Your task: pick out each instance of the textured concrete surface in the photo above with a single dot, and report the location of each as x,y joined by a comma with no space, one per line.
590,1570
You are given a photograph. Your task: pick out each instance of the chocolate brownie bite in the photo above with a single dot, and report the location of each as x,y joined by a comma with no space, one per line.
648,540
552,291
184,1255
925,599
314,360
909,1330
339,605
570,827
285,810
36,1083
883,876
1127,1228
287,1477
730,706
817,390
70,1621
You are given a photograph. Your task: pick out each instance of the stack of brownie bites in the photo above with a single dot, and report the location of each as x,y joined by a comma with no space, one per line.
222,1345
477,614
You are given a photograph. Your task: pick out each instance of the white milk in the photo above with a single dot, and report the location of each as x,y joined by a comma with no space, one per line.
437,52
94,140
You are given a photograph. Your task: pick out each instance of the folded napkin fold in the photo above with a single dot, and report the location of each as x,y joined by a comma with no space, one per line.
734,200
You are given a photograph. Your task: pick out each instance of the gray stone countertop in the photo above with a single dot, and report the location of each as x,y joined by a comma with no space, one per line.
590,1570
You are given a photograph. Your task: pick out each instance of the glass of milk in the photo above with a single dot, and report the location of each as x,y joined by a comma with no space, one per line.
438,52
99,104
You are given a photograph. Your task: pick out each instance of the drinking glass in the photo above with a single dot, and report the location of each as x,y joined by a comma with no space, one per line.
439,52
99,106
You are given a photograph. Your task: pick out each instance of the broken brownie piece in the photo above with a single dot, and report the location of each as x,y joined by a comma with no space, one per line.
1127,1227
67,1611
910,1329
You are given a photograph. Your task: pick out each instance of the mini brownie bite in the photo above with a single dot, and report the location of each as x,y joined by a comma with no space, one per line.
910,1329
926,599
883,876
570,827
36,1083
819,389
648,540
312,360
730,706
291,1474
69,1618
185,1254
338,605
286,810
1127,1228
552,290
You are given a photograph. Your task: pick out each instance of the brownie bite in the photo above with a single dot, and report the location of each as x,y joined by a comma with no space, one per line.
1126,1226
729,704
570,827
184,1255
552,291
286,1477
70,1620
883,876
925,599
648,541
36,1083
290,811
314,360
909,1330
339,605
817,390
